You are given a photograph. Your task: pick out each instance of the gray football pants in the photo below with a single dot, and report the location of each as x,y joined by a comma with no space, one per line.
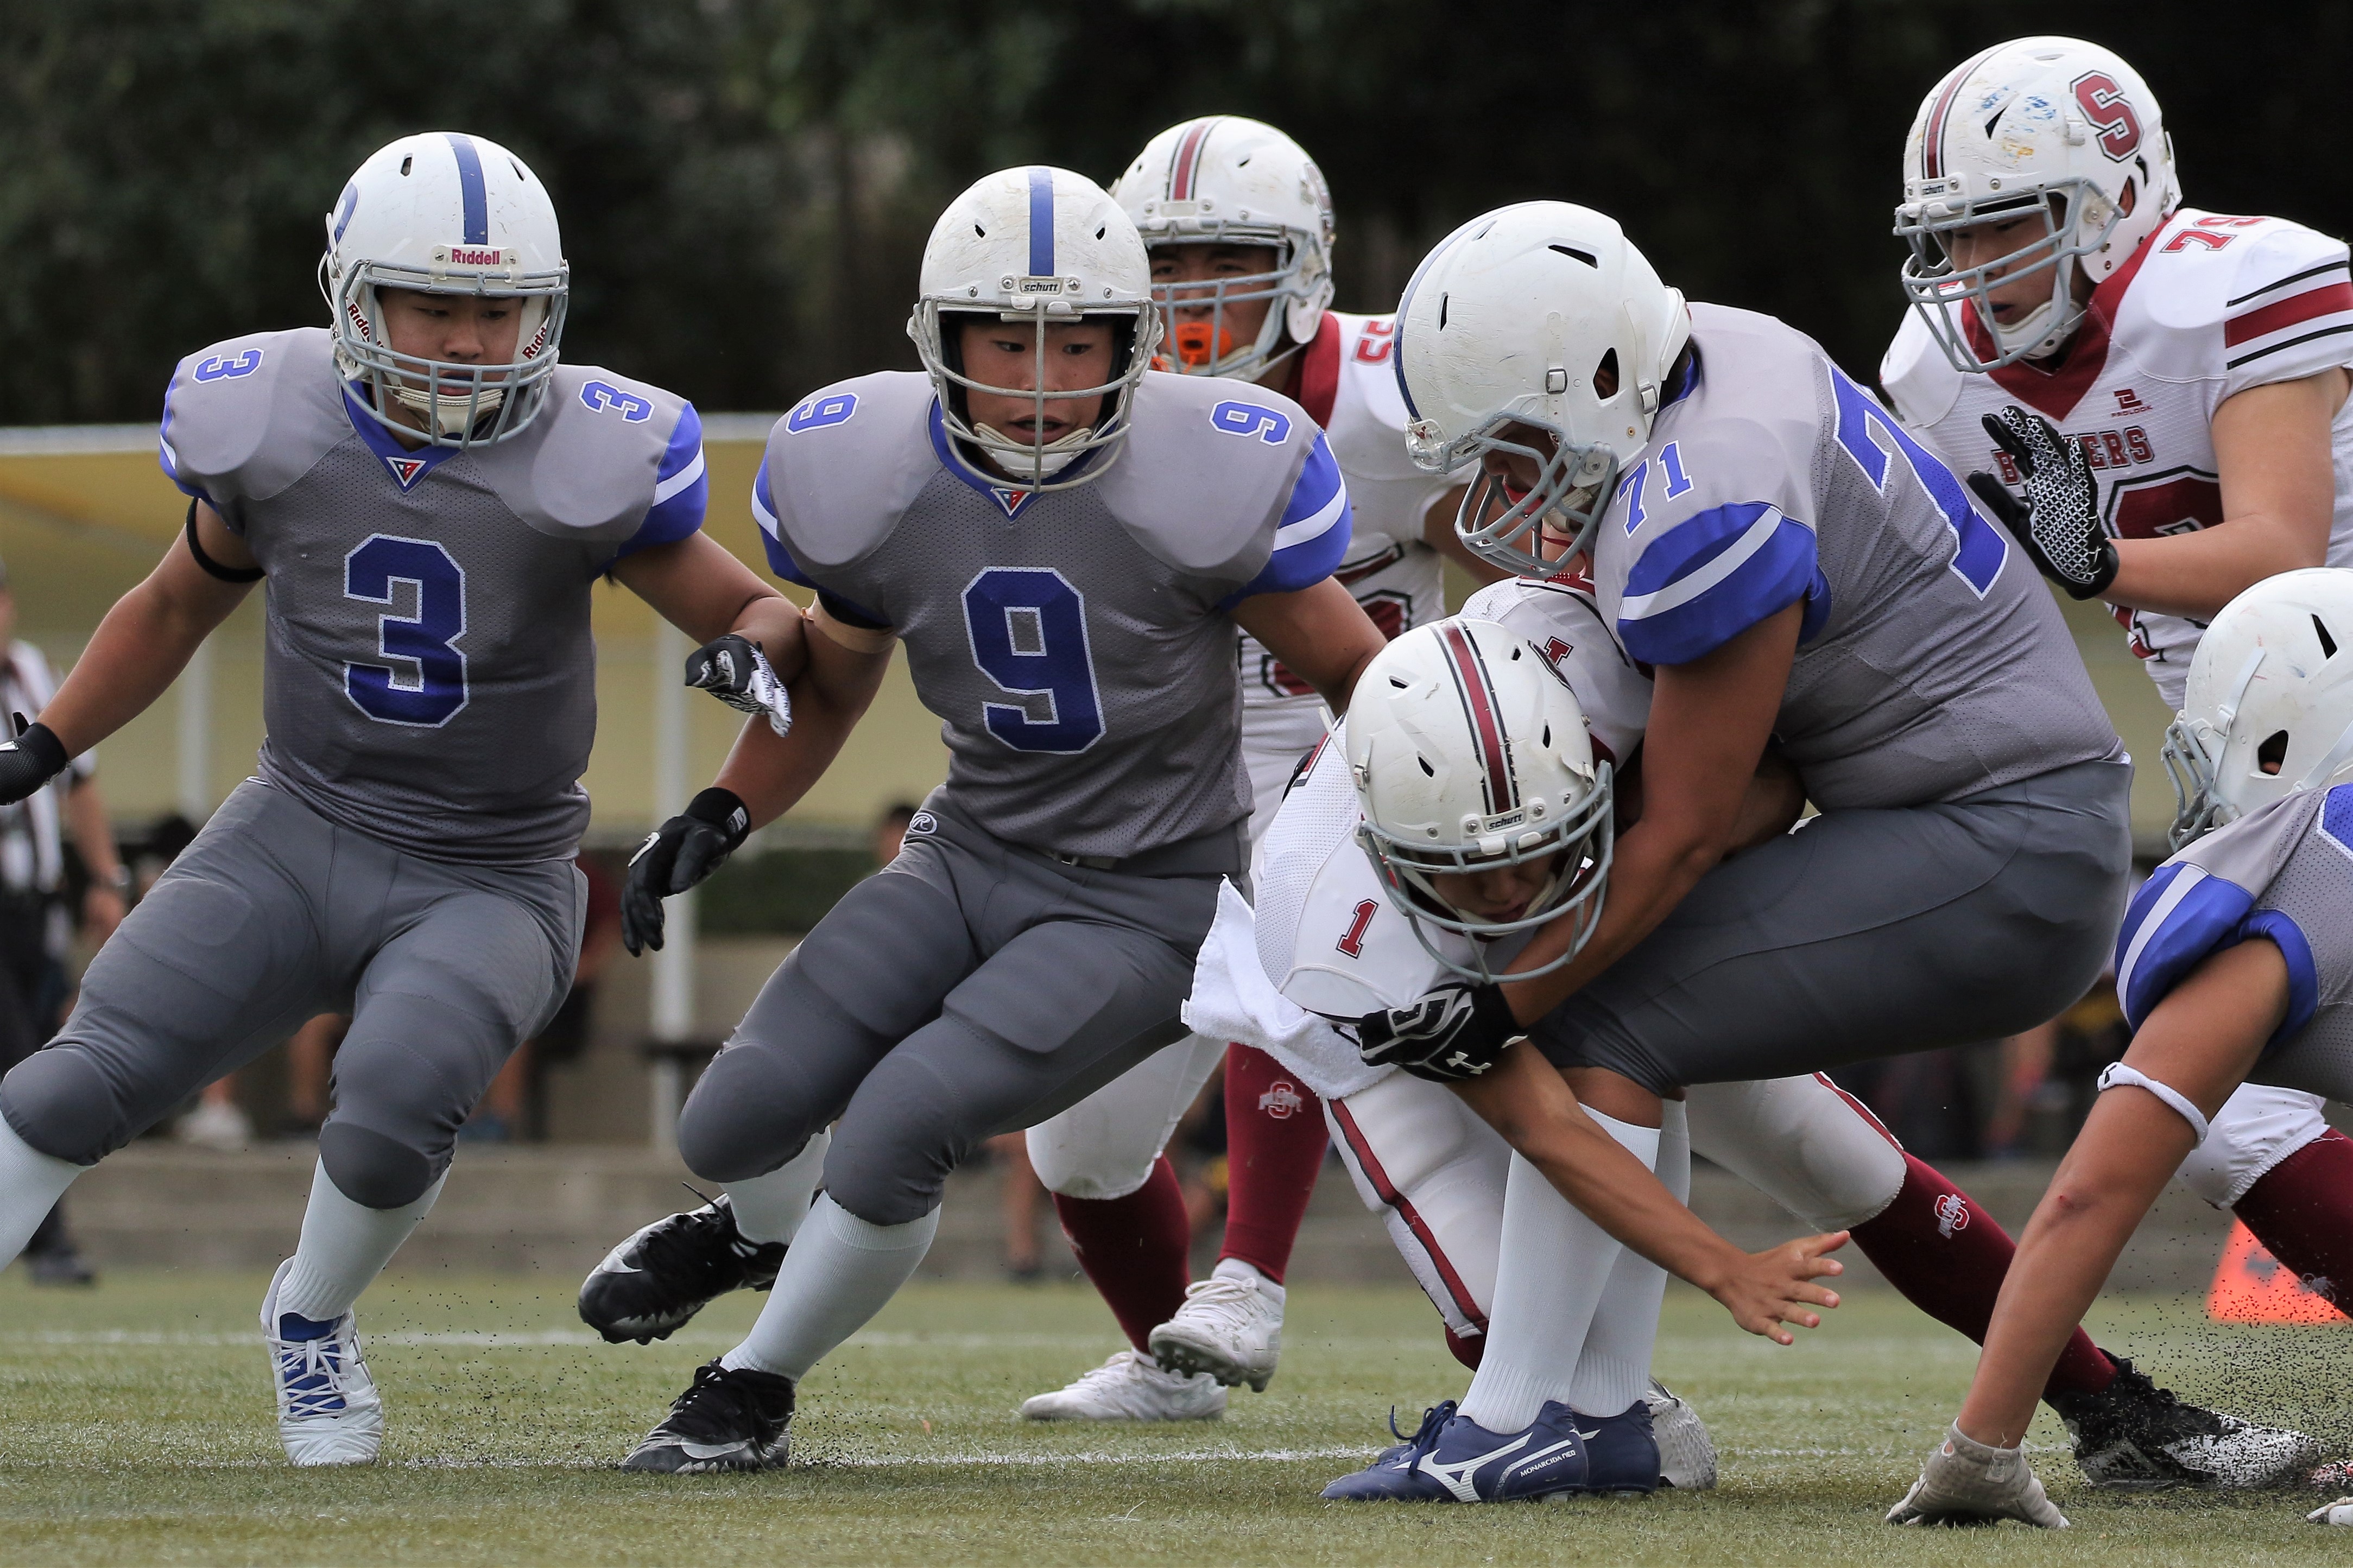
273,915
1870,933
970,988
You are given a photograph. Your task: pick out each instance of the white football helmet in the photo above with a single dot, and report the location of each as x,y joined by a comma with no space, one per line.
2051,125
1469,752
1540,315
446,212
1043,246
2269,707
1224,180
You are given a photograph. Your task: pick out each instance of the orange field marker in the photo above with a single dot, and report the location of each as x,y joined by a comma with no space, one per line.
2251,1286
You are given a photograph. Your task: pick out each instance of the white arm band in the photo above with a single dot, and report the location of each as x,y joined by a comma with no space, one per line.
2118,1076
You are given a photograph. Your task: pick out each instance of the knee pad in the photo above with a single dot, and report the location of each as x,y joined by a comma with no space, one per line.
372,1170
2257,1128
1107,1145
742,1120
1802,1143
62,1106
1071,1164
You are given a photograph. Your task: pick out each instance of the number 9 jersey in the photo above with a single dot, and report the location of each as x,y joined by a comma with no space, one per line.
1073,642
430,678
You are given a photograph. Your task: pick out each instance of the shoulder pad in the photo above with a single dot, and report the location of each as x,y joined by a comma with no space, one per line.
847,460
1208,467
1367,429
1919,380
249,416
587,466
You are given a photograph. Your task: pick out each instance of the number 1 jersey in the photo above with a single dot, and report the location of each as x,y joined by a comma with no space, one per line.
1073,642
429,678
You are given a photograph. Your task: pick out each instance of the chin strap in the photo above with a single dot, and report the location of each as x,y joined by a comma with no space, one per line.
2116,1075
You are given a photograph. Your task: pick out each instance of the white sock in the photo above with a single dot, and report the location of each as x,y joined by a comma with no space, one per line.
841,1272
1248,1274
344,1247
1554,1267
31,1182
772,1208
1615,1367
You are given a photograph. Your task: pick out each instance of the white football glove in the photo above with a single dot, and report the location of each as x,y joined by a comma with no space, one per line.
734,670
1969,1482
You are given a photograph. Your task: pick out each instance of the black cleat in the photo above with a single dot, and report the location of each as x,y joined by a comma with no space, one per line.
657,1278
724,1421
2134,1435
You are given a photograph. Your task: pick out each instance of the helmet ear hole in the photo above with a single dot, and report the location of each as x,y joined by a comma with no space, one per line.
1605,376
2272,755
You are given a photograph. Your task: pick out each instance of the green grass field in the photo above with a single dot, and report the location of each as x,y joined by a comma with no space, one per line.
135,1426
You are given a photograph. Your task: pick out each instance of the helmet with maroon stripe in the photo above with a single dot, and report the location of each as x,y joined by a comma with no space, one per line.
1469,754
1225,180
2049,128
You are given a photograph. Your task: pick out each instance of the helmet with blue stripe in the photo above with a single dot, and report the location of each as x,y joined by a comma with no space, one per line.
1044,248
446,212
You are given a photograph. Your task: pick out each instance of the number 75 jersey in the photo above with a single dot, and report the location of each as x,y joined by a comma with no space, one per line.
1074,642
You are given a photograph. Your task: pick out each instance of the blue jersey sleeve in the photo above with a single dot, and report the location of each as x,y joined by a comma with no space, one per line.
1704,581
1311,537
681,489
2182,916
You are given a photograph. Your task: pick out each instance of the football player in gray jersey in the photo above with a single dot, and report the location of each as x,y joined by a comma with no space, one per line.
431,495
2234,965
1795,566
1065,543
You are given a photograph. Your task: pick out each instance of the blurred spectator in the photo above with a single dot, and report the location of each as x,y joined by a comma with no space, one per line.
309,1067
891,832
516,1104
36,927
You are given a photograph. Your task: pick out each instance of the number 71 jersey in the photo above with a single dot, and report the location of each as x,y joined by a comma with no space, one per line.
1073,642
2210,306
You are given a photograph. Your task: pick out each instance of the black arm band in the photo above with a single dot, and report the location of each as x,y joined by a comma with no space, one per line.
226,574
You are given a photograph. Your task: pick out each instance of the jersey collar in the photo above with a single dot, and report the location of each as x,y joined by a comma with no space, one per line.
2056,391
1008,498
406,467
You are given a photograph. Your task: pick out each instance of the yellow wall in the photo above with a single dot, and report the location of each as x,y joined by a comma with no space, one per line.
77,528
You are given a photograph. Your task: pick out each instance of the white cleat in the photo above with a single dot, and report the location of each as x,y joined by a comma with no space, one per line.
328,1412
1686,1453
1131,1387
1969,1482
1230,1327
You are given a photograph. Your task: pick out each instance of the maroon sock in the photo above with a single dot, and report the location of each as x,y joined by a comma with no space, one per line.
1467,1351
2302,1211
1274,1147
1134,1249
1948,1257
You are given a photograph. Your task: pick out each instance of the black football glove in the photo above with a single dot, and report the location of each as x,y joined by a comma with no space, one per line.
1456,1032
2060,524
677,856
734,670
31,760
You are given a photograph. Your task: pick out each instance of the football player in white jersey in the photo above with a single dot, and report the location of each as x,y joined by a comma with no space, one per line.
1239,223
2235,963
2167,388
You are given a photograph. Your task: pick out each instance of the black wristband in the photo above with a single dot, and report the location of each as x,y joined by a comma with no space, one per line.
40,742
724,810
226,574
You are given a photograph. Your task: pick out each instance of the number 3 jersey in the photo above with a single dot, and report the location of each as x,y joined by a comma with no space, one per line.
1347,384
1931,662
1327,933
2282,874
429,677
2210,306
1073,642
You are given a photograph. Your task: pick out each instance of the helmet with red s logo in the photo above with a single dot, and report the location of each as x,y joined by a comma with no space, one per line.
2054,128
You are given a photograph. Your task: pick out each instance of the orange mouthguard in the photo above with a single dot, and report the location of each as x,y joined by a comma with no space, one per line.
1197,343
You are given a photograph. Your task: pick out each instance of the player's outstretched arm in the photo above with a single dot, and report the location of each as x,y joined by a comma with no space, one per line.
1322,634
2199,1043
139,651
1526,1100
697,587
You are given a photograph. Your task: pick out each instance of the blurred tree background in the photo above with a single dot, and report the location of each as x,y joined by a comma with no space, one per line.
745,184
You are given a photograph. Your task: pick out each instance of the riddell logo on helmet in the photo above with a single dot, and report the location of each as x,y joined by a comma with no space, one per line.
472,255
1281,1101
1952,1215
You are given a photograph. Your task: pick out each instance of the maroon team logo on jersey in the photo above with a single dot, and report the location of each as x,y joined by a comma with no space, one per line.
2104,105
1281,1100
1952,1215
2128,401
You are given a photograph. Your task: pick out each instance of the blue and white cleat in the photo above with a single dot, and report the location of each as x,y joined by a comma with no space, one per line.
1562,1454
328,1412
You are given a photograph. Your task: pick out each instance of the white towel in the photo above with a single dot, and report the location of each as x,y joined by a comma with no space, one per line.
1233,999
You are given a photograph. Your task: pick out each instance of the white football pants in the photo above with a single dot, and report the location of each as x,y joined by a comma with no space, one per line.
1105,1146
